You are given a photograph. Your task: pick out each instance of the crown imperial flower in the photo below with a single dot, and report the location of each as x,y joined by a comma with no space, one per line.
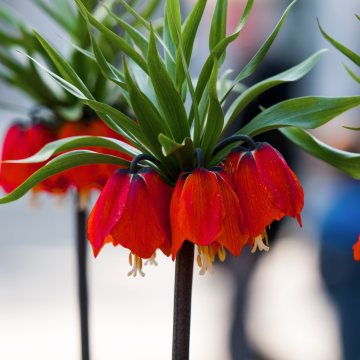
205,210
133,211
21,142
267,188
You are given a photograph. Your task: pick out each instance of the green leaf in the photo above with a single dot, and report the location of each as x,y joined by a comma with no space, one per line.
184,151
259,56
170,65
169,99
187,39
218,51
174,19
150,122
345,161
293,74
218,27
352,128
61,163
106,70
307,112
215,120
146,24
76,142
224,83
139,39
353,75
357,17
65,69
118,41
347,52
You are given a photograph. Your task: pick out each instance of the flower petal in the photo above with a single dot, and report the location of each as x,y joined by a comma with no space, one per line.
235,234
356,249
199,216
258,210
138,229
109,207
160,198
280,183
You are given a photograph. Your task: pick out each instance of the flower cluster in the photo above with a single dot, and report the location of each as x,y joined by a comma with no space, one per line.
214,208
23,141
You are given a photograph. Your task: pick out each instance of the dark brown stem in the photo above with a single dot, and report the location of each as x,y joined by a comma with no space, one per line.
81,218
182,301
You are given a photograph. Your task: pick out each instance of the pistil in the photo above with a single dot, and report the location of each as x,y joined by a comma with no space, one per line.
136,264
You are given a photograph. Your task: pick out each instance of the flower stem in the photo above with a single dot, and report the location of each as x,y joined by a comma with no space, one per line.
235,138
81,218
182,301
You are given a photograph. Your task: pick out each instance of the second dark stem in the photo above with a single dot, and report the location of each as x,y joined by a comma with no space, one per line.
182,301
81,218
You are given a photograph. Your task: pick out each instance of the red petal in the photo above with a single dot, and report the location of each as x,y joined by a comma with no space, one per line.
160,198
199,215
138,228
177,236
109,207
356,249
259,211
280,183
235,234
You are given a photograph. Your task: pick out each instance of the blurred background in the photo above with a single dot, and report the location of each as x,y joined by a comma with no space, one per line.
298,301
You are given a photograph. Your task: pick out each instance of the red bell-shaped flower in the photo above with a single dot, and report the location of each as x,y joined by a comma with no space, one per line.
133,211
266,187
205,210
22,142
356,249
95,175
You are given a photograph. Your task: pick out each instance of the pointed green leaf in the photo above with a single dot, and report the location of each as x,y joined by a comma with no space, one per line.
76,142
218,27
293,74
218,51
139,39
61,163
215,120
118,41
307,113
146,24
169,99
347,52
187,39
352,128
353,75
345,161
256,60
224,83
174,19
183,151
170,65
106,70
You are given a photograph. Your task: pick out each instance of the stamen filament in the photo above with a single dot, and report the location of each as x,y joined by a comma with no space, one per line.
208,259
151,260
258,242
137,265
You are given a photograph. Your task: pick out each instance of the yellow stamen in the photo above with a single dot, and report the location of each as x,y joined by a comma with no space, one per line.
222,254
137,265
258,242
83,200
151,260
207,259
199,260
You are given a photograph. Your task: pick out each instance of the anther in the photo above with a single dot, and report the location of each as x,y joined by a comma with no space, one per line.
222,254
137,265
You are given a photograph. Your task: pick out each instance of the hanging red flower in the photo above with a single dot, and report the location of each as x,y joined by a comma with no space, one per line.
133,211
356,249
266,187
205,210
21,142
91,176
